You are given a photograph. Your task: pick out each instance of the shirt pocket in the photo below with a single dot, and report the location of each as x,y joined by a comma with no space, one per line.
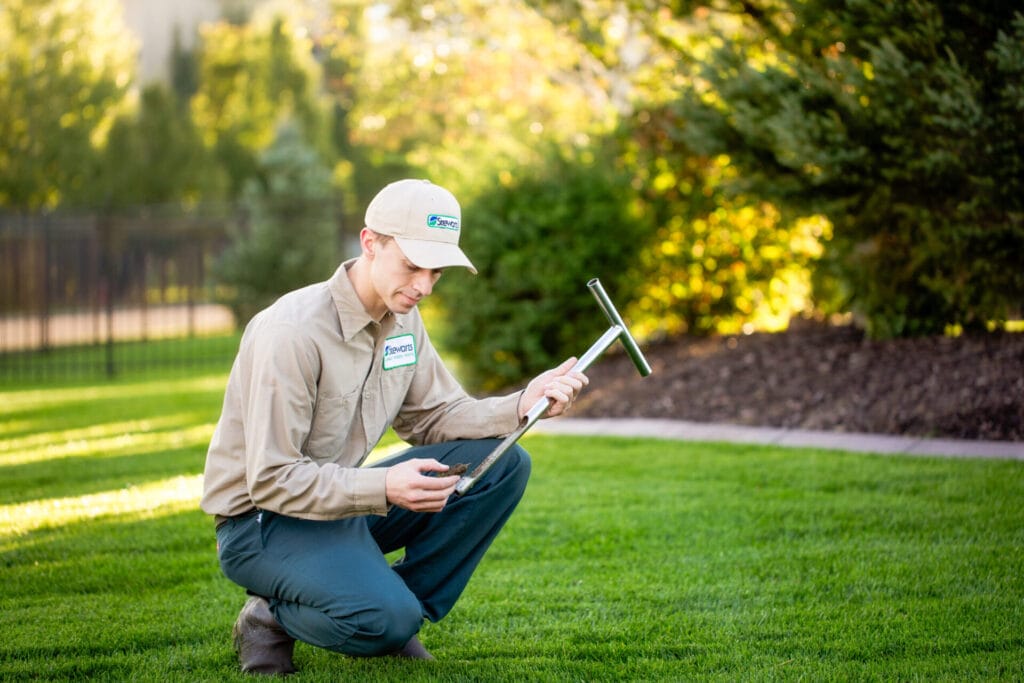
332,421
395,385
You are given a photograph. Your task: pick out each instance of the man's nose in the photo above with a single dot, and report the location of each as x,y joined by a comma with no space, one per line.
424,282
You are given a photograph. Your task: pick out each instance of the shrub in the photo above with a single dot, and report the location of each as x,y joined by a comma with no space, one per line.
900,123
537,240
717,262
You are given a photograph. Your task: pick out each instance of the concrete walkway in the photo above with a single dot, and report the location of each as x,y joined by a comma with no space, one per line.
777,436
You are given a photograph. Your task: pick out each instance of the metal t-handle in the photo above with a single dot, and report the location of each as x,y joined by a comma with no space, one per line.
632,348
617,331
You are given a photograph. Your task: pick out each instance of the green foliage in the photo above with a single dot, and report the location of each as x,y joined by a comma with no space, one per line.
900,122
253,78
290,239
537,240
709,261
462,89
716,262
155,155
64,70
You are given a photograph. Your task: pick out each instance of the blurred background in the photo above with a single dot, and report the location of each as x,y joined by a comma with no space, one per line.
167,169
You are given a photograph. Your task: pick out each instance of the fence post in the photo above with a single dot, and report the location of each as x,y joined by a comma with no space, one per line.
193,273
44,313
103,229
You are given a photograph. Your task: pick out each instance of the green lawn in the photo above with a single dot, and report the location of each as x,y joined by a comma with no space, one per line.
629,559
96,362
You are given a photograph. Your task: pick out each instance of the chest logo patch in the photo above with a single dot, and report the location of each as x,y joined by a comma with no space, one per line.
399,351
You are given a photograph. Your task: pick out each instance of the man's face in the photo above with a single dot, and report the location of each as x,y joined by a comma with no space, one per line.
398,282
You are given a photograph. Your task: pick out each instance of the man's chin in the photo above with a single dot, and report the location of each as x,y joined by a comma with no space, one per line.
402,307
408,302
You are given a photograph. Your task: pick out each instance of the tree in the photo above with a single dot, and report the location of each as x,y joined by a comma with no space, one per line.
290,239
155,155
461,90
64,72
897,120
719,259
252,79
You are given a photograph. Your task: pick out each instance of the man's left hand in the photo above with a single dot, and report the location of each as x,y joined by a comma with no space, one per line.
559,385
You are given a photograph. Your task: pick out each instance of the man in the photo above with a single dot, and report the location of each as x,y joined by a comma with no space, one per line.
320,376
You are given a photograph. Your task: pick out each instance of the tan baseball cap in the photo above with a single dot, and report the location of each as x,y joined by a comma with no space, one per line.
425,219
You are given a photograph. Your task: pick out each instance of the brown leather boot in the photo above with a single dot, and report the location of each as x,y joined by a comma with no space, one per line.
262,645
414,650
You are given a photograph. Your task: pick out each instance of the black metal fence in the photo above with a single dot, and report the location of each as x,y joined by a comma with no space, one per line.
100,294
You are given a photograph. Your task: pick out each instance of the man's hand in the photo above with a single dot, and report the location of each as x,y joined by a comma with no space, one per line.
559,385
408,485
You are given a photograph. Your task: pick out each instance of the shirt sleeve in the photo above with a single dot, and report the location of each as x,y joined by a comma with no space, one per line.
278,401
437,409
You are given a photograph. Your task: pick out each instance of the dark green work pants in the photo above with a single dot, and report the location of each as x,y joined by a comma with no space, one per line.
329,584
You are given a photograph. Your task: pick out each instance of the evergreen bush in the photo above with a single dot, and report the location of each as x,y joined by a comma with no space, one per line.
537,240
901,123
290,239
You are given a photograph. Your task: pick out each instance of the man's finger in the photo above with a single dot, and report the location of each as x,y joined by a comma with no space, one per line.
429,465
566,366
437,483
559,394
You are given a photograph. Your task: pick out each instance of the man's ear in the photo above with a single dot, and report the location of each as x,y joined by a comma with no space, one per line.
367,242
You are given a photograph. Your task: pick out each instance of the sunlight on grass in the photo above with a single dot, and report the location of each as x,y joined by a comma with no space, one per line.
628,559
33,399
114,438
100,422
168,496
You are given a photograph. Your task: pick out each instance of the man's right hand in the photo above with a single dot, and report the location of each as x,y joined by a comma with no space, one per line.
408,485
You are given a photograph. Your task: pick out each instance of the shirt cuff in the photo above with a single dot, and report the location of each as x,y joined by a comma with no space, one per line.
509,424
370,490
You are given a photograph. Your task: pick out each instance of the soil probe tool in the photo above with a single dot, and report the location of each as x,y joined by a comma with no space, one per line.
617,331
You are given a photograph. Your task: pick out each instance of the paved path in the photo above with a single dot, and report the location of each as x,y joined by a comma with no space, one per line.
158,321
870,443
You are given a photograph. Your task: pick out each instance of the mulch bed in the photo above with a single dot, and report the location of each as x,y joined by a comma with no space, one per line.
822,377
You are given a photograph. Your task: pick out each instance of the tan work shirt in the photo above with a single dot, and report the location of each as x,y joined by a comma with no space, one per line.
314,387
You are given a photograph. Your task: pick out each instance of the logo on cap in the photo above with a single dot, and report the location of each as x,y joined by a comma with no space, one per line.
436,220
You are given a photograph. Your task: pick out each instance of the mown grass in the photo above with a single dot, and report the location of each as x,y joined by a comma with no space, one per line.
629,559
97,362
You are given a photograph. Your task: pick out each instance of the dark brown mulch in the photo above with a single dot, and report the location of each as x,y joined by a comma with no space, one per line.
821,377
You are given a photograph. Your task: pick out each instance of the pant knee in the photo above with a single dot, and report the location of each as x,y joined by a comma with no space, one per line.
521,467
385,628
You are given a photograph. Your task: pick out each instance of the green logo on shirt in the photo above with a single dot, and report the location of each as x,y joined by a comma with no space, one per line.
399,351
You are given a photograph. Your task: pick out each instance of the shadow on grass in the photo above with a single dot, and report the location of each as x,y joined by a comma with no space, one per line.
39,411
83,475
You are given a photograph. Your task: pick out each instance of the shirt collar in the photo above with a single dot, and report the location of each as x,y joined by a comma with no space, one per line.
351,314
